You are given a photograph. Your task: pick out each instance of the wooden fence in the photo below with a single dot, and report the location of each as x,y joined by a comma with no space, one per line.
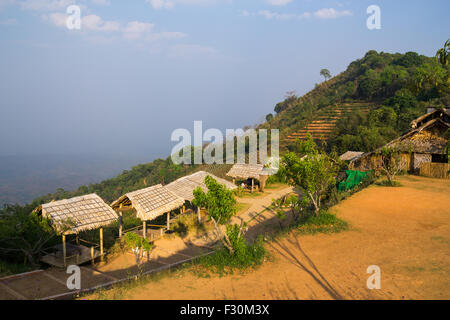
435,170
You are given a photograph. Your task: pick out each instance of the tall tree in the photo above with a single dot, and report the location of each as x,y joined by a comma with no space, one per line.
443,53
311,171
221,206
325,73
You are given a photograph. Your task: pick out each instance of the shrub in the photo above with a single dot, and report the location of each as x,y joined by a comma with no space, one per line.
325,222
223,262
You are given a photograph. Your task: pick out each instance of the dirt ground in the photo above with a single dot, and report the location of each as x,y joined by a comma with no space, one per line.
403,230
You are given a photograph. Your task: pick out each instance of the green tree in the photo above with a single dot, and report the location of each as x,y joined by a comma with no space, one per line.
311,171
269,117
391,163
26,234
139,246
221,206
443,53
325,73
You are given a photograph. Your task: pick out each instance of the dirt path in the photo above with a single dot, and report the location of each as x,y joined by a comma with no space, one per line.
405,231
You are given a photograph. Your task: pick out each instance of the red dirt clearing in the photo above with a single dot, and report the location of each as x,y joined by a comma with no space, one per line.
403,230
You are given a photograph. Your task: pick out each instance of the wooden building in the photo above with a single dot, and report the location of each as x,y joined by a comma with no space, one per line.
426,142
71,217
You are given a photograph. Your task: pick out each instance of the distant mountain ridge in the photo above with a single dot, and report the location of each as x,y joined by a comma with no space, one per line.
24,178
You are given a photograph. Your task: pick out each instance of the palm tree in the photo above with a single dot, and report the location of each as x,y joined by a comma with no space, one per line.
443,53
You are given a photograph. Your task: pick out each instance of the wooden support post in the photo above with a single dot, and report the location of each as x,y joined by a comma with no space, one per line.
64,249
184,209
92,255
168,220
77,240
253,183
161,232
234,181
120,224
199,214
144,230
101,244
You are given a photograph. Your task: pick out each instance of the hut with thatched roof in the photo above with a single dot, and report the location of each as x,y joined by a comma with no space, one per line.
244,171
149,204
70,217
184,187
350,155
426,142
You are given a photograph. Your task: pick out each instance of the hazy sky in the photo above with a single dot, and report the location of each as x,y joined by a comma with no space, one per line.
139,69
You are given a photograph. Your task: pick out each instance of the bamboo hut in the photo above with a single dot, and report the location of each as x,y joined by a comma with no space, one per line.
244,171
70,217
149,204
350,155
424,143
184,187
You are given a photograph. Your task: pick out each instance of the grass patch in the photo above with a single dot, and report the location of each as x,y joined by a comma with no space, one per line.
188,224
387,183
325,222
241,207
222,262
275,185
440,239
9,268
255,194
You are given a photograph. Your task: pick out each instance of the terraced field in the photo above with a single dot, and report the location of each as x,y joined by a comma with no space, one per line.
322,127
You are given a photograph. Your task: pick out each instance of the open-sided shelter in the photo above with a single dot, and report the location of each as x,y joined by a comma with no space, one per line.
70,217
184,187
149,204
244,171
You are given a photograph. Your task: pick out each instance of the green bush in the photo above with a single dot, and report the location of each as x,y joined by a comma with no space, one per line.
223,262
325,222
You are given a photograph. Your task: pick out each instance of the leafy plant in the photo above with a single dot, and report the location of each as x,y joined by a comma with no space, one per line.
391,163
28,234
312,171
220,205
138,245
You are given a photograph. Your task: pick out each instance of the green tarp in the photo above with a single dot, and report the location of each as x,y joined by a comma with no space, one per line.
354,177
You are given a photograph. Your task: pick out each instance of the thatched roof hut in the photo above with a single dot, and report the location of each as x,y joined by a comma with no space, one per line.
79,214
426,143
426,139
443,114
184,187
72,216
350,155
245,171
150,202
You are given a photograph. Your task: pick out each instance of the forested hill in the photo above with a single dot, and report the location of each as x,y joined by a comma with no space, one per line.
395,88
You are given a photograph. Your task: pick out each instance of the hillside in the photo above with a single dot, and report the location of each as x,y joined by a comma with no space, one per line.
364,107
324,125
